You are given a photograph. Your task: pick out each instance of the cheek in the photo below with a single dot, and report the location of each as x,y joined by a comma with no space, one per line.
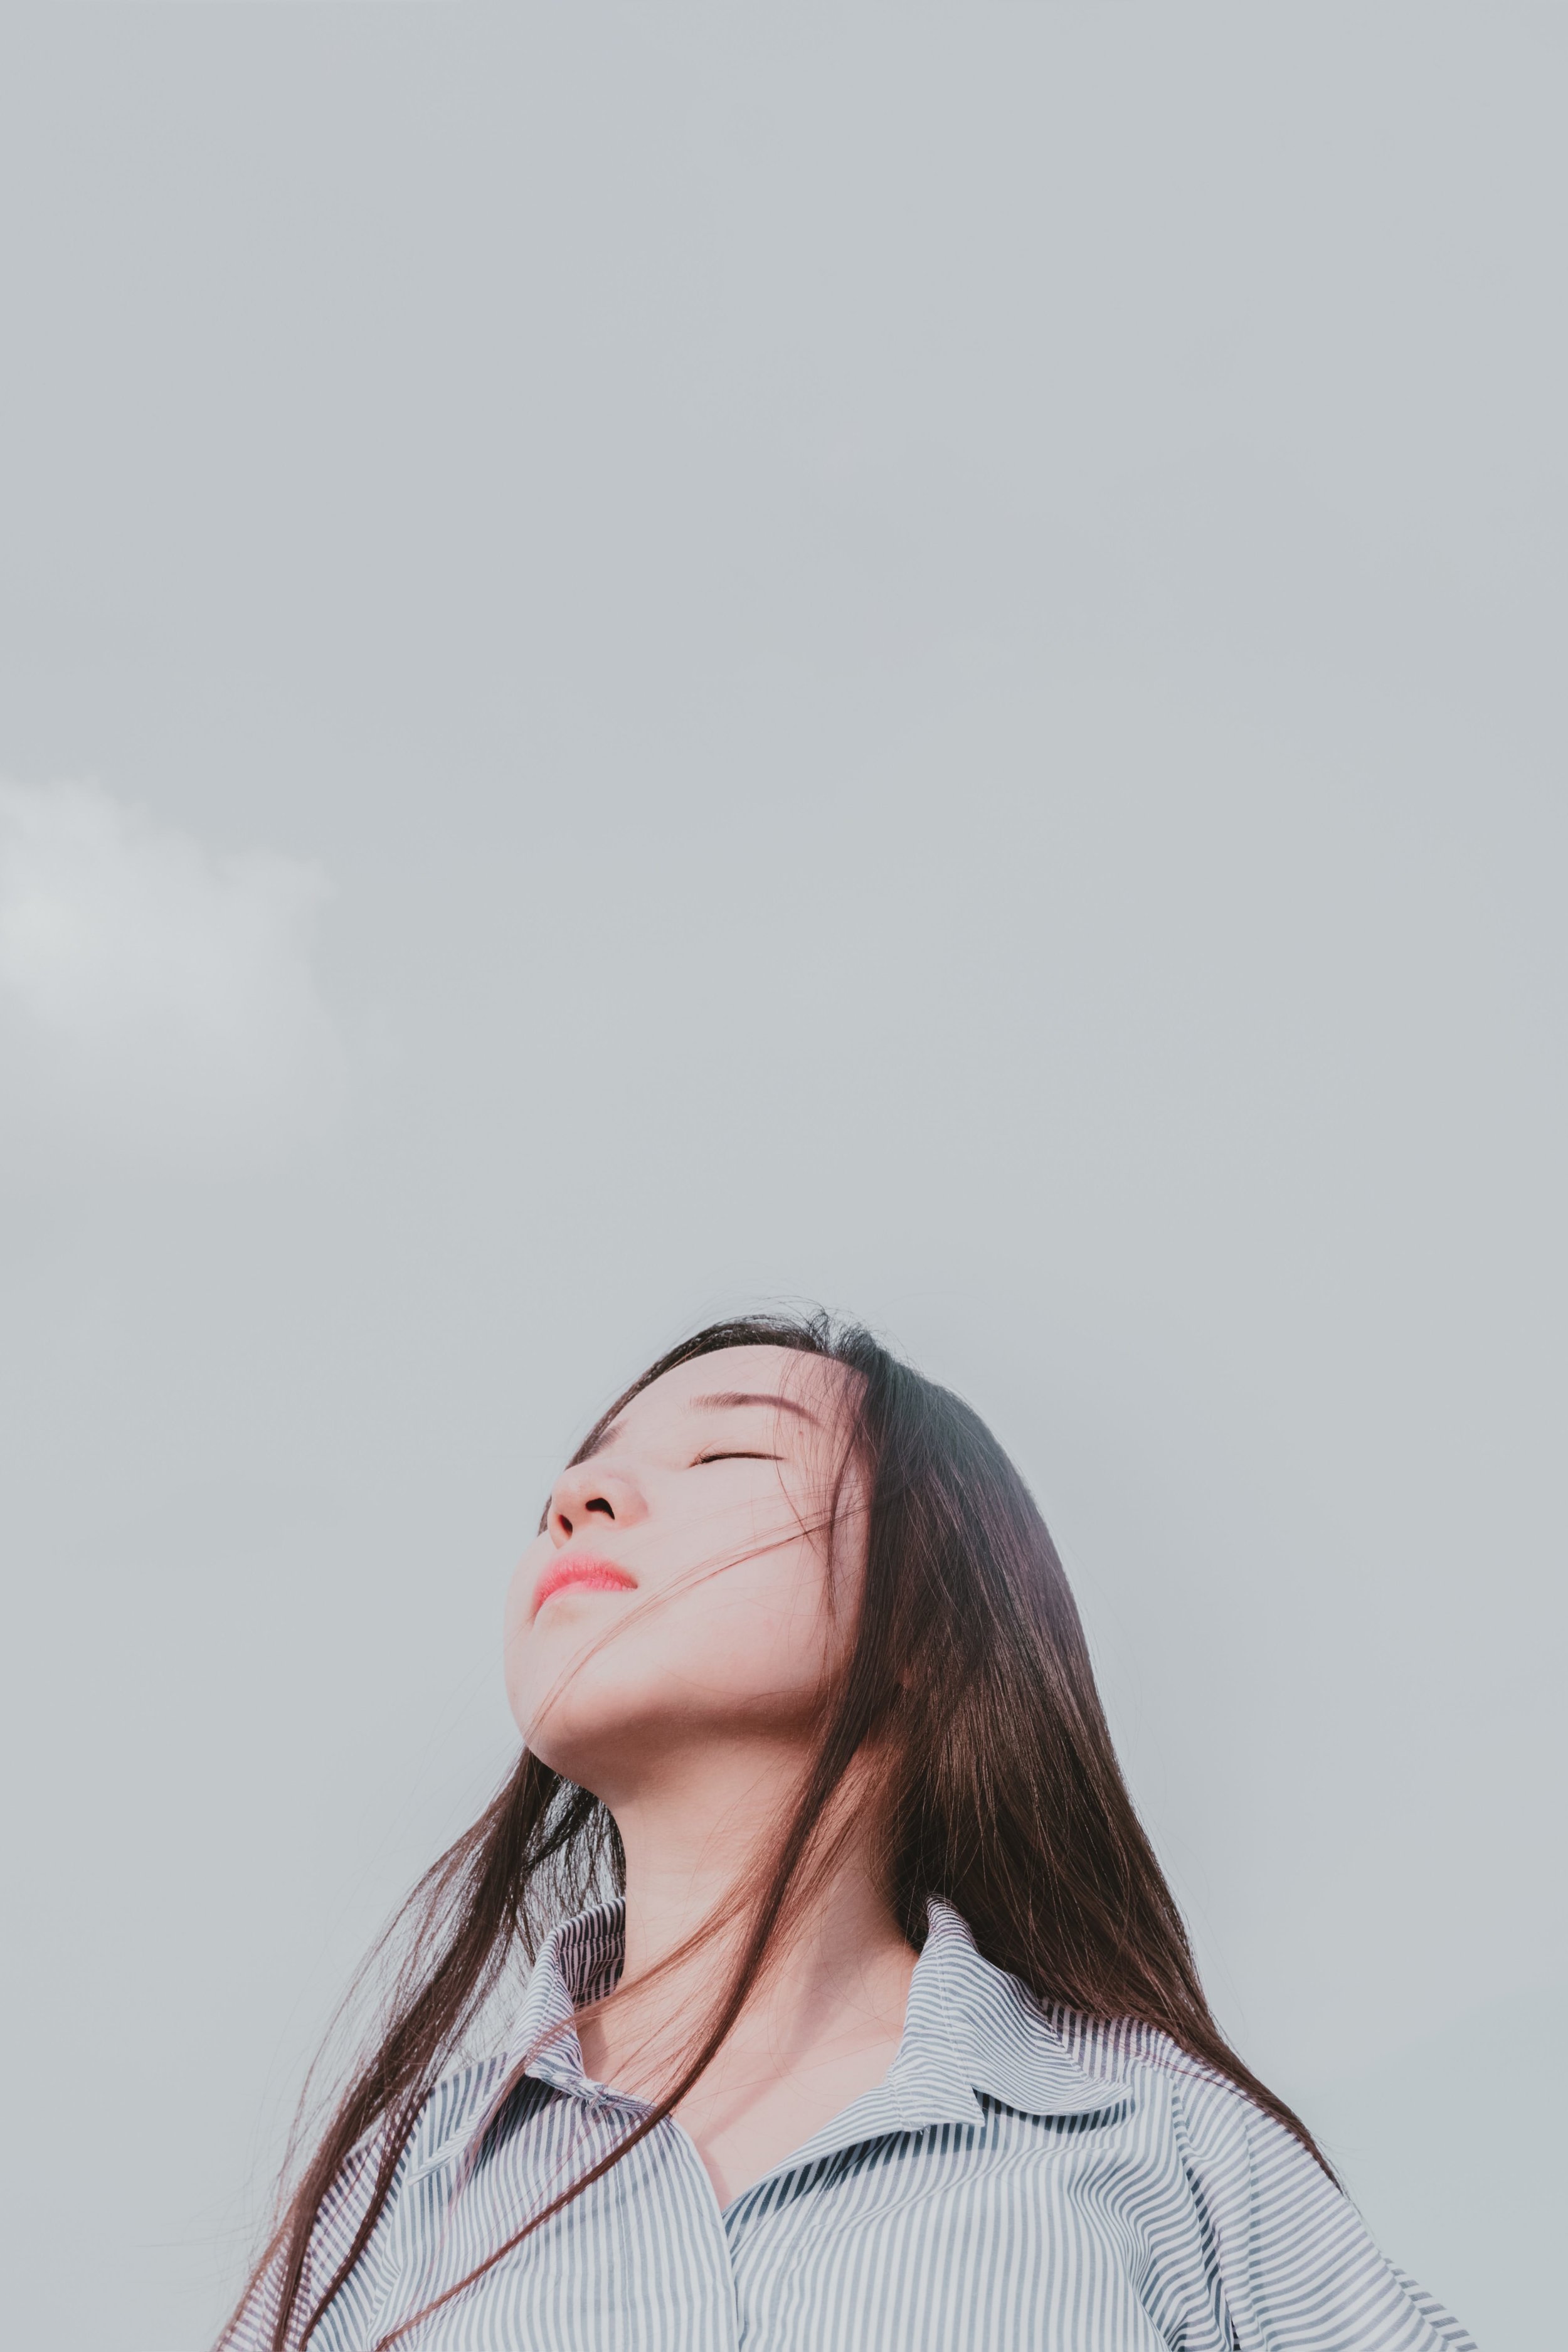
760,1630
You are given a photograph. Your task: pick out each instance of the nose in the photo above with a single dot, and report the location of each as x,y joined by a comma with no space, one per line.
592,1492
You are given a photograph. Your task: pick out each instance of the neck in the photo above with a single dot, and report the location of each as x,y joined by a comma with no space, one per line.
695,1839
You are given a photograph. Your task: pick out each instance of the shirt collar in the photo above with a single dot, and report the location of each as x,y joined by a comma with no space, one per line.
970,2031
578,1962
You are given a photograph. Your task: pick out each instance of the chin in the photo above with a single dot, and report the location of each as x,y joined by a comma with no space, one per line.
619,1759
584,1735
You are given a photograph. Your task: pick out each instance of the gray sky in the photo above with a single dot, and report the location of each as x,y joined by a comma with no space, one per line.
648,661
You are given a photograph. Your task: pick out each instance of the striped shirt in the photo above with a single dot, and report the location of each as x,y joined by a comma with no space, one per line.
1021,2179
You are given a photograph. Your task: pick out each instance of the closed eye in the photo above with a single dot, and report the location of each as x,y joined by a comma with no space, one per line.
737,1454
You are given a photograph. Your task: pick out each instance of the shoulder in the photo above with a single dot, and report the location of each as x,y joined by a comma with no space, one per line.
1286,2247
1206,2110
458,2105
454,2109
1232,2151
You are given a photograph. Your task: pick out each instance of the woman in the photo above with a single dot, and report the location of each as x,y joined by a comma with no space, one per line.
860,2015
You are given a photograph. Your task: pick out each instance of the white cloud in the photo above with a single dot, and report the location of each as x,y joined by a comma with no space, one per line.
158,1004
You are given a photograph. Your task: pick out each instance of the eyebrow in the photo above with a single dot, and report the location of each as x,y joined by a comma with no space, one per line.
719,1401
724,1398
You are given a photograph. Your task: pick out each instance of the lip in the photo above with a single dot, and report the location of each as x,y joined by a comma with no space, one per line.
581,1570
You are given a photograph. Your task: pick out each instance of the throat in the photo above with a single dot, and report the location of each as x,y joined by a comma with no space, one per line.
821,2031
758,2102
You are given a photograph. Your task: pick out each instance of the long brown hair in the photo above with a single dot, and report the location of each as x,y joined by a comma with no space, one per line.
969,1674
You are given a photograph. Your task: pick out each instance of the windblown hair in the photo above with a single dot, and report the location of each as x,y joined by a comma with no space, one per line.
968,1678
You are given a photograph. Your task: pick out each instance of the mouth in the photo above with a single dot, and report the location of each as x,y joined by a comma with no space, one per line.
581,1572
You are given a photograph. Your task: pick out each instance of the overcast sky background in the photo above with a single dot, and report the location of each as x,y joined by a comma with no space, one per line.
652,659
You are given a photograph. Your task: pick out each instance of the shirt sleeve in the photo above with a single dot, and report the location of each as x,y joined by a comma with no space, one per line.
1297,2269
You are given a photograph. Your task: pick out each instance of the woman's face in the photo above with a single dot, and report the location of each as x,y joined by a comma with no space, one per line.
678,1598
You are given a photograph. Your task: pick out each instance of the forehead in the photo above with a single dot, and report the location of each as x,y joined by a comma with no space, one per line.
754,1373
